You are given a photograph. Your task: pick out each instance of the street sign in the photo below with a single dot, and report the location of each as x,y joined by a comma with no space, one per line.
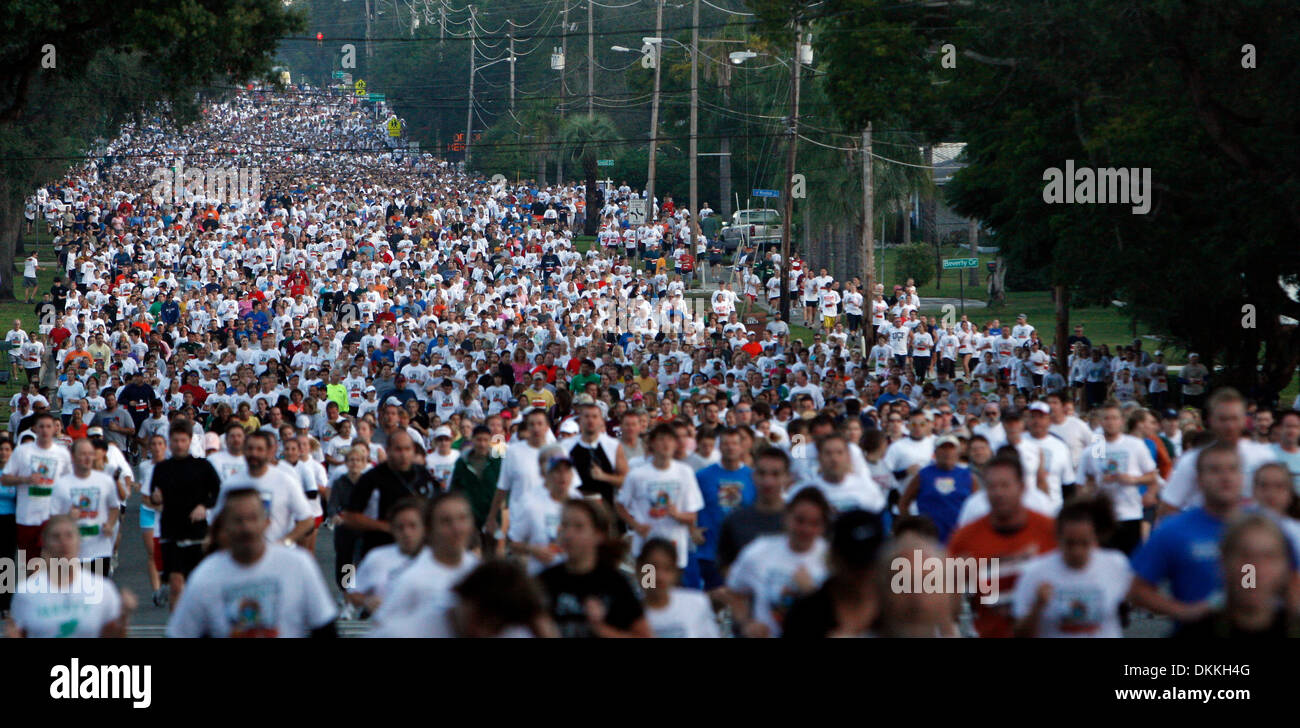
394,127
636,212
347,79
360,87
376,97
338,74
766,193
958,263
604,163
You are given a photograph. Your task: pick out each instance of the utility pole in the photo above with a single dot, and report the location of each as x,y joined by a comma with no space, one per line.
442,23
868,221
591,64
469,105
724,148
512,72
564,89
369,53
695,127
654,113
789,174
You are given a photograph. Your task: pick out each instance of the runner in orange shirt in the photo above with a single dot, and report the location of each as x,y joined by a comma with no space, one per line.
1011,533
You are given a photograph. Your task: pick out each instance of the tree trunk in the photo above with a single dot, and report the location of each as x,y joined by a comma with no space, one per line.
11,225
592,212
1062,295
907,224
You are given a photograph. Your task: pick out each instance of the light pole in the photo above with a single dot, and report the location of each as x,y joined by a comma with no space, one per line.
473,69
796,63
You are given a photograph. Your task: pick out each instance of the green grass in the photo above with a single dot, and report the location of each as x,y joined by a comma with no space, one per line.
26,312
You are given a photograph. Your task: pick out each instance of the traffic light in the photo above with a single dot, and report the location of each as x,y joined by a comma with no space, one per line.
319,38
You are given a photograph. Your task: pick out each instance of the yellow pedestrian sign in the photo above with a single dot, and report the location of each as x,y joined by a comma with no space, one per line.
394,127
360,87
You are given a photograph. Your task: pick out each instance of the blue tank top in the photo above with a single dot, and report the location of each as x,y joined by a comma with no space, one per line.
941,495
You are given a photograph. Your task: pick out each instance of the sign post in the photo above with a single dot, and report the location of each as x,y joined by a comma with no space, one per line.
958,264
636,211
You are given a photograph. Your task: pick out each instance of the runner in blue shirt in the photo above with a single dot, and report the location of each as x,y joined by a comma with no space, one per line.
726,485
940,488
1184,548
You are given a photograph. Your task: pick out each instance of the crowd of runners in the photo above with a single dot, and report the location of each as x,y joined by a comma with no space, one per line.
498,431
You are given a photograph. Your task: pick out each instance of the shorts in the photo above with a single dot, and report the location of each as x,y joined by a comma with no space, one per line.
148,518
29,282
319,521
900,360
920,365
829,321
810,303
948,366
855,320
180,559
1127,536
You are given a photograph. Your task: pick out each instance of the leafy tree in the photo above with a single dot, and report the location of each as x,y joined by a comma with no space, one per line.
111,62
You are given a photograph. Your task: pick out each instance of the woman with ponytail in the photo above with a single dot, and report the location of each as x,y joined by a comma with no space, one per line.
587,595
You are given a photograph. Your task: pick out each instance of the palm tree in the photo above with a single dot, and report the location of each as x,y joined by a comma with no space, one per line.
584,139
538,126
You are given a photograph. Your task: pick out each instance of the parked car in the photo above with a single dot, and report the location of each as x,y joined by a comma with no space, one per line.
755,227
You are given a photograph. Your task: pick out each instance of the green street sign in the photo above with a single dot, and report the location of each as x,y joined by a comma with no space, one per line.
376,97
604,163
338,74
951,263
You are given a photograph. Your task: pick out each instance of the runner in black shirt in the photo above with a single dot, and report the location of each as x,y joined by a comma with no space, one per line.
587,595
189,486
394,479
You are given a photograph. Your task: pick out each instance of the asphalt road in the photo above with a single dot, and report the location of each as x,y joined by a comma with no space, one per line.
149,621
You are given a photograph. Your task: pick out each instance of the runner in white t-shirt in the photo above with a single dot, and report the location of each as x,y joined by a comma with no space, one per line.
63,598
254,586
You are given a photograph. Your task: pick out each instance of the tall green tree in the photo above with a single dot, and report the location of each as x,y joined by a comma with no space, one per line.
78,69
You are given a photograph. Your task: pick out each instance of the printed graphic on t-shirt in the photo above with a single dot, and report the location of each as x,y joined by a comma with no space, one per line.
663,495
780,588
1080,607
252,608
729,493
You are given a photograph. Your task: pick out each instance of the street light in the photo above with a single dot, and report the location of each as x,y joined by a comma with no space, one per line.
800,55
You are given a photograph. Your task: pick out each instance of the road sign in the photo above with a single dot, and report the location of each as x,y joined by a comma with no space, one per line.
338,74
360,87
766,193
376,97
958,263
604,163
636,212
394,127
